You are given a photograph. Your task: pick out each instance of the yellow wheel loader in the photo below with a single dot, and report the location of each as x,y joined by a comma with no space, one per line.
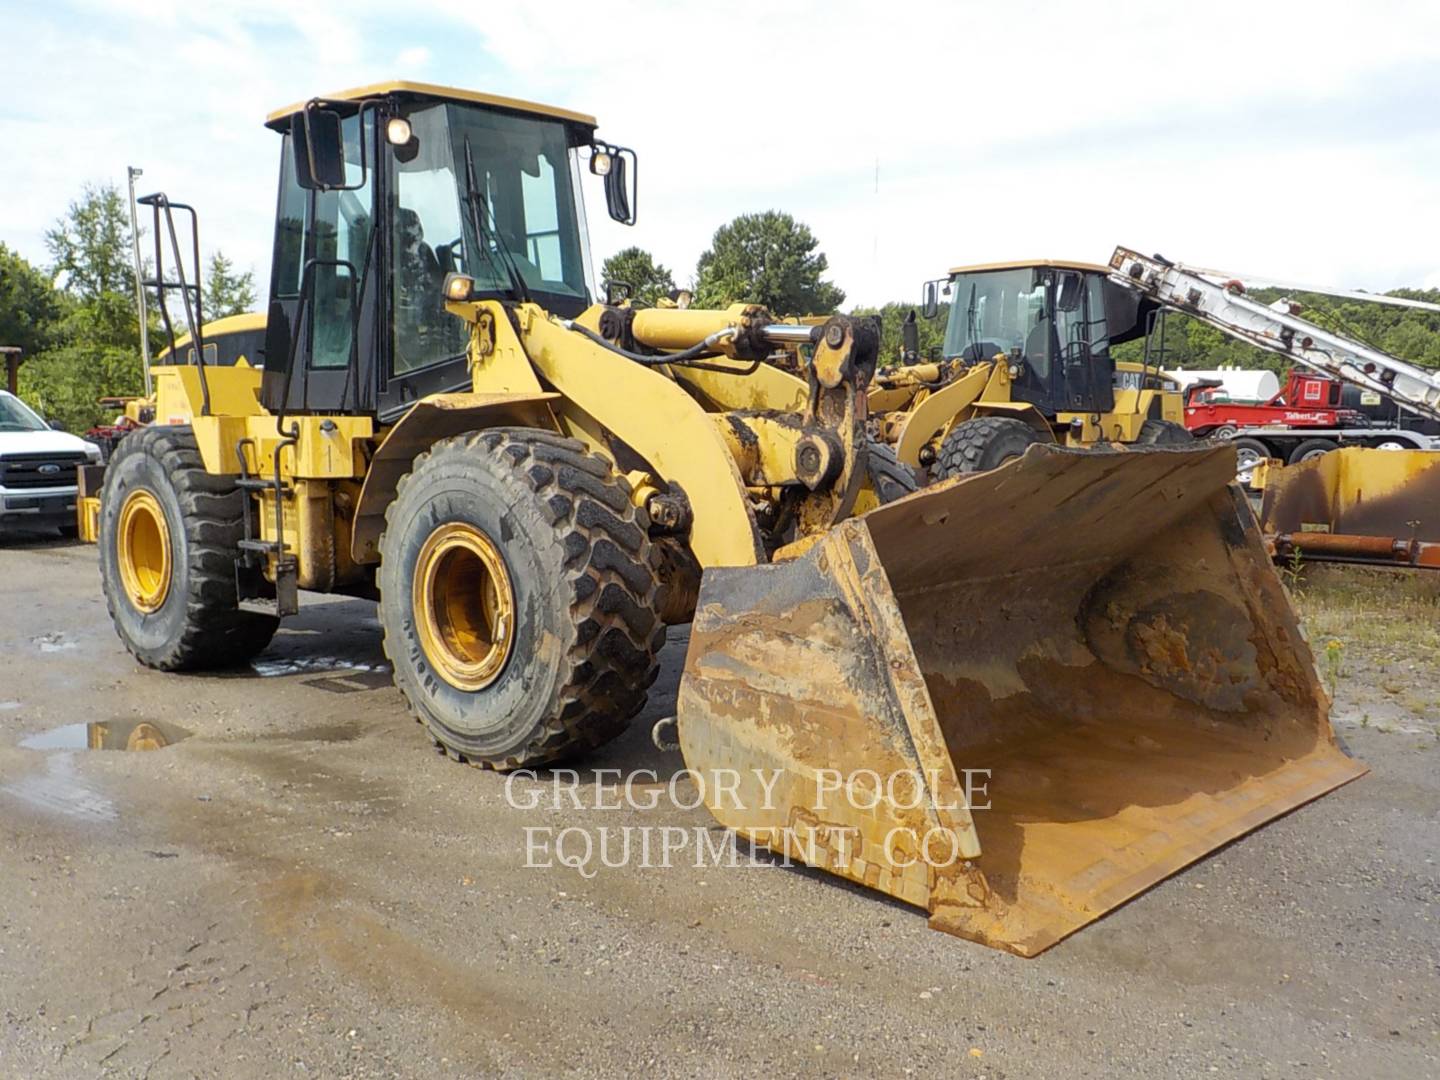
534,485
1026,360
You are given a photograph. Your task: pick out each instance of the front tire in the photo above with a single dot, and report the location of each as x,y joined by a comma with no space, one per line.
1164,433
169,536
519,597
889,477
982,444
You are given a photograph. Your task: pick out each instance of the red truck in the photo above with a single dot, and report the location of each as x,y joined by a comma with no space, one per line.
1307,418
1309,400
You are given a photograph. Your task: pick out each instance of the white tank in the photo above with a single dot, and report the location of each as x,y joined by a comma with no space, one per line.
1240,384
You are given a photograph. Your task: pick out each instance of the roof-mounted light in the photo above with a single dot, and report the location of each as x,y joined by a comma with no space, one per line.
397,131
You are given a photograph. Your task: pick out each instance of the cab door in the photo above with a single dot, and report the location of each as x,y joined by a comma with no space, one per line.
1084,372
321,337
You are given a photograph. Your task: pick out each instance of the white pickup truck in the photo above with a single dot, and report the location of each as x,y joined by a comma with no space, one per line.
38,469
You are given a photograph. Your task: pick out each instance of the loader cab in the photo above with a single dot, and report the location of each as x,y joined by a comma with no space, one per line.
1055,322
397,197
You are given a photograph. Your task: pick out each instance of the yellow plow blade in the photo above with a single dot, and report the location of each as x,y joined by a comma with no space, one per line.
1016,699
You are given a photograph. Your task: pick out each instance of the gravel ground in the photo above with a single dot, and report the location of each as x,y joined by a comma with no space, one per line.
303,887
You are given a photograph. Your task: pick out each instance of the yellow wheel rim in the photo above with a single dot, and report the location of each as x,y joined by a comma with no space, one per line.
144,551
464,606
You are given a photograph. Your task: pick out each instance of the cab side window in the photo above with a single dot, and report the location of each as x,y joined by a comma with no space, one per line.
428,242
340,242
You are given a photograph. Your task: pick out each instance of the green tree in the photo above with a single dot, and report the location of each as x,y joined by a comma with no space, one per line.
930,332
224,291
97,351
637,268
67,383
30,306
90,245
768,259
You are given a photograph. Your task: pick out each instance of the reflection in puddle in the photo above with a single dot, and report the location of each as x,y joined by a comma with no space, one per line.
53,642
107,735
62,790
295,665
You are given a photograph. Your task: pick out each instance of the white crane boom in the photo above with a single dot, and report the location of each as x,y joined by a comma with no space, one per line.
1276,327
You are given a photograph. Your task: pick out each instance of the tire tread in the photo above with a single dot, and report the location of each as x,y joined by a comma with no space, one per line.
611,575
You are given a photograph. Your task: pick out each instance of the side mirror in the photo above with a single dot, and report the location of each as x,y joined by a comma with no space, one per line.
319,144
620,168
1070,292
930,299
910,337
56,425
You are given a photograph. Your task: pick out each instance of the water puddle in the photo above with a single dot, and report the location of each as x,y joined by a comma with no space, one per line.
54,642
62,790
108,735
269,669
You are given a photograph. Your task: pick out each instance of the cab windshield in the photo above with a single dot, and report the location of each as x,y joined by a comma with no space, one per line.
530,221
999,311
15,415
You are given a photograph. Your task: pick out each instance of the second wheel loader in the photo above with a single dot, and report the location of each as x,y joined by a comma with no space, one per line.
1026,359
533,485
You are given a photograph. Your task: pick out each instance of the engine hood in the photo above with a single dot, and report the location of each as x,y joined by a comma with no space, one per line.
42,442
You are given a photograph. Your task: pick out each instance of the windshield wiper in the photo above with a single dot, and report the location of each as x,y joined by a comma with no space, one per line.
485,236
972,325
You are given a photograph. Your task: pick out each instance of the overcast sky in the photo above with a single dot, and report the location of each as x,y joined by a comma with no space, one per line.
1299,140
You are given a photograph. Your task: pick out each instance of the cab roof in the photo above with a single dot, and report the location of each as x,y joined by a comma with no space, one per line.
1029,264
437,93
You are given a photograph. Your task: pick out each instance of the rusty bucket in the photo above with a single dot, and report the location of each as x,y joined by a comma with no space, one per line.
1016,699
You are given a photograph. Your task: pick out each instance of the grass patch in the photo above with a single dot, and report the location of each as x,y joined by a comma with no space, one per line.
1370,610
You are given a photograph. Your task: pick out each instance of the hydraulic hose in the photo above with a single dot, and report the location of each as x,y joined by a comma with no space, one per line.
695,352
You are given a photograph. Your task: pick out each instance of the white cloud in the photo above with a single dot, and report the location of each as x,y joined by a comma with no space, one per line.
1298,140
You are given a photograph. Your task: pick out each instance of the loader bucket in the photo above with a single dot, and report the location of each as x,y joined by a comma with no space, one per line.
1356,505
1015,699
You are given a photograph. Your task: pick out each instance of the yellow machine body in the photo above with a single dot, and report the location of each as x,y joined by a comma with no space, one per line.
916,412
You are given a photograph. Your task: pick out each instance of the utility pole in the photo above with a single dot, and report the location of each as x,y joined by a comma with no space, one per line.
132,173
11,353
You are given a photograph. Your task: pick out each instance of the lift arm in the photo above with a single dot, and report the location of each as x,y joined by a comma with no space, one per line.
1277,328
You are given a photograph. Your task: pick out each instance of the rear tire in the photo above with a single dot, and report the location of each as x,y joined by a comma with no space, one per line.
573,569
1164,433
982,444
169,574
1311,448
